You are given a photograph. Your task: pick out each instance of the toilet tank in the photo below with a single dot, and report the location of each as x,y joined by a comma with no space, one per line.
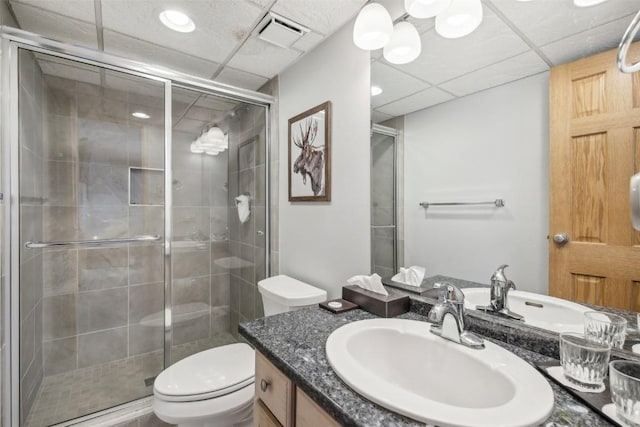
283,293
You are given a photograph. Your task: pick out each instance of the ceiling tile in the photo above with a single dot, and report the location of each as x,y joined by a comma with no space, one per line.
378,117
56,26
444,59
308,41
422,25
394,84
322,16
153,54
262,58
78,9
588,43
233,77
515,68
418,101
220,25
545,21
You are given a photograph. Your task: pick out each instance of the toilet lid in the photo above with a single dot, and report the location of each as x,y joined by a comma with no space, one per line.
207,374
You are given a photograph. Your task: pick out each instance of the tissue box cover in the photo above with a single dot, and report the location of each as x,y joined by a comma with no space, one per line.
390,305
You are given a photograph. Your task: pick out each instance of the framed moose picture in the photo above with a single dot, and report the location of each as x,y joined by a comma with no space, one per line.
310,155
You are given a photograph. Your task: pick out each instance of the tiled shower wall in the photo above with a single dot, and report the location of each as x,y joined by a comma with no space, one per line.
33,108
247,173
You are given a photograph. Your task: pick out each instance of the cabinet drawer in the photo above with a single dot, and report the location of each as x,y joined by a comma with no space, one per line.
275,390
309,414
262,417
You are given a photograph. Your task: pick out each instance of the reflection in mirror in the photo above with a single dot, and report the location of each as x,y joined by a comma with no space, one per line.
498,114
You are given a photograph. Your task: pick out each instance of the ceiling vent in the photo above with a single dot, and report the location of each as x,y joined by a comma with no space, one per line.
280,31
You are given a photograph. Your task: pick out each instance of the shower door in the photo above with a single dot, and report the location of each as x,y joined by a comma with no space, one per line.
91,160
383,201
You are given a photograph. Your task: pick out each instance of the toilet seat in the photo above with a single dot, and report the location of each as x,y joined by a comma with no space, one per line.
206,375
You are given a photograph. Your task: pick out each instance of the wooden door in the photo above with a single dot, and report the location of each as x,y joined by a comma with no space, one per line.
594,150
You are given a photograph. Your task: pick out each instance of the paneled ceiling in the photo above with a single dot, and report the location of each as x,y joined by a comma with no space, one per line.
516,39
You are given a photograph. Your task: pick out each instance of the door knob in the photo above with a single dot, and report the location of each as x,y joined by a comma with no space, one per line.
561,238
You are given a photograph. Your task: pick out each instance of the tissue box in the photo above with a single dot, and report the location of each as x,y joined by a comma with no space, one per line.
390,305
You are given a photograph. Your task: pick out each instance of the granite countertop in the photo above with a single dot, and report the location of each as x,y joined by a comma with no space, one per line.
295,343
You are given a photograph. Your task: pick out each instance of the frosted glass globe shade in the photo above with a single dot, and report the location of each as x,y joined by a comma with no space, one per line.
587,3
405,44
460,19
373,27
425,8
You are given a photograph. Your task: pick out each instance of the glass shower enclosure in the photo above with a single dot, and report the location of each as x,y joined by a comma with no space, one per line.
123,250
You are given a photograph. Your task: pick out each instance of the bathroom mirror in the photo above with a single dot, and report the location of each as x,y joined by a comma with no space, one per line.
473,113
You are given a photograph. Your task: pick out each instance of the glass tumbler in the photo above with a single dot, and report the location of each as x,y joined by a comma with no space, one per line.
605,328
584,362
624,382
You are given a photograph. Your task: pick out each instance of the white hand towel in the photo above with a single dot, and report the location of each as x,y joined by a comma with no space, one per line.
371,283
411,276
242,203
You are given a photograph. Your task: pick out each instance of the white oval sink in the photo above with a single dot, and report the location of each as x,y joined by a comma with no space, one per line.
542,311
400,365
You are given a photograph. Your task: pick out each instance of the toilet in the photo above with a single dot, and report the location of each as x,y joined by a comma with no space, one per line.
215,388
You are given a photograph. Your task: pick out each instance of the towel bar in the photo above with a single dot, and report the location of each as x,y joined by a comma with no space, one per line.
498,203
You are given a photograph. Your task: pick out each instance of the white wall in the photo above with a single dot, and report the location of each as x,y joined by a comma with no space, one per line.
484,146
327,242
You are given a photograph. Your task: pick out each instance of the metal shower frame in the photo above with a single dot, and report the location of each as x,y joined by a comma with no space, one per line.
11,40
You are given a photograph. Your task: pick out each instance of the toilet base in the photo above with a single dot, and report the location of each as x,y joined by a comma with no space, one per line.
231,410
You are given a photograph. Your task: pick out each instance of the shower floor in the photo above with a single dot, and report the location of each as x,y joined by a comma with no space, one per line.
84,391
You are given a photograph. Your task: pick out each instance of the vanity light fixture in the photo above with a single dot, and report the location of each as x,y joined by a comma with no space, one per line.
460,19
425,8
140,115
405,44
196,147
177,21
587,3
376,90
373,27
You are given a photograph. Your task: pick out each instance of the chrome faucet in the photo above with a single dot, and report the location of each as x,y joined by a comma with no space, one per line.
499,302
447,316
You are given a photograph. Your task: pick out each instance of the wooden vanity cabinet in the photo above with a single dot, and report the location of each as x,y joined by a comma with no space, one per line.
279,403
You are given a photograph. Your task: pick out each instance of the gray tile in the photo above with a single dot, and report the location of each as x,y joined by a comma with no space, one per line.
103,221
60,223
31,229
260,268
103,141
146,300
102,268
101,184
60,271
60,145
31,172
247,300
234,292
260,186
62,183
192,330
100,347
145,339
219,228
191,223
30,284
27,342
190,188
146,220
190,263
29,113
220,290
149,153
247,254
259,307
247,155
220,319
59,316
105,309
191,290
146,264
60,356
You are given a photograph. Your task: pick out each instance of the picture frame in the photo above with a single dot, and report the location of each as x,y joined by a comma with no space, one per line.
310,155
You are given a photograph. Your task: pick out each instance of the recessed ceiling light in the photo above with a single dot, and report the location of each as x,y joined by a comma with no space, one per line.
376,90
177,21
587,3
140,115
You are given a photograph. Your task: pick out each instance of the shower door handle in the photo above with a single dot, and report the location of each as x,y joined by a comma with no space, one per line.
96,242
